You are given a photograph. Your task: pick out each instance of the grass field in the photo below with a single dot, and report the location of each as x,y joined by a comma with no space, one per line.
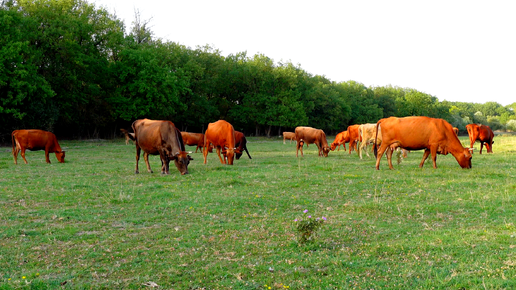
91,223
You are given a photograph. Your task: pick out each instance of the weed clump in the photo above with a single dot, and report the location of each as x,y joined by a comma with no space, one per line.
307,226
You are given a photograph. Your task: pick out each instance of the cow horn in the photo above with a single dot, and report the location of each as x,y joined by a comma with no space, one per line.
190,152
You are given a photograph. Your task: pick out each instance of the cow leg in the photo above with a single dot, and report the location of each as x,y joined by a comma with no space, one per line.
481,146
15,154
360,149
425,156
205,151
389,152
47,157
379,155
138,149
434,156
23,155
218,153
146,158
284,140
367,150
489,147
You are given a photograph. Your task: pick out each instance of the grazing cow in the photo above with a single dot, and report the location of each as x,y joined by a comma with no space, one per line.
35,140
354,137
481,133
289,135
160,138
367,133
127,136
241,144
341,139
435,136
456,130
310,135
222,135
193,139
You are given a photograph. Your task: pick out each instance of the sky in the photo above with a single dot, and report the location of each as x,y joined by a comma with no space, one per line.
454,50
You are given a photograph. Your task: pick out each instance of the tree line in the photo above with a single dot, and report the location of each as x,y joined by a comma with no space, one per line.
72,68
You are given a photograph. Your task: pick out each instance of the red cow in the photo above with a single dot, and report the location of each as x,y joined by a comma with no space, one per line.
289,135
193,139
481,133
436,136
163,138
310,135
35,140
222,135
241,144
354,137
341,139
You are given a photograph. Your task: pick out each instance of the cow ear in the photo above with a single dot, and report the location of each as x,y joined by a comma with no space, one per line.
189,157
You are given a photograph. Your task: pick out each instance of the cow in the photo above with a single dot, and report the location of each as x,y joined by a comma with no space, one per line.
311,135
367,134
127,136
241,144
289,135
160,137
456,130
435,136
35,140
222,135
193,139
481,133
354,137
341,139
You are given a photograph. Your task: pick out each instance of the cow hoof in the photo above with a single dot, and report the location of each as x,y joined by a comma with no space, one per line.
136,172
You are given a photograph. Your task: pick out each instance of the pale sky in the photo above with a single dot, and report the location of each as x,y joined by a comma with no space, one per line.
454,50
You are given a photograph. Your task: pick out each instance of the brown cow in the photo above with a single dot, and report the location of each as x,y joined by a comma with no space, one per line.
456,130
311,135
289,135
241,144
35,140
160,137
341,139
354,137
127,137
481,133
436,136
193,139
222,135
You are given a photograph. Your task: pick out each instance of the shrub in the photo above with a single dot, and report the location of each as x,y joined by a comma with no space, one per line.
307,226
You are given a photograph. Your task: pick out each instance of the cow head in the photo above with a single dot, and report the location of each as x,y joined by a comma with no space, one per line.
333,146
238,153
60,155
229,154
326,150
181,160
464,158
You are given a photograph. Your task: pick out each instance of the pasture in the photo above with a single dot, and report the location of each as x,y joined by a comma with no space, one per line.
91,223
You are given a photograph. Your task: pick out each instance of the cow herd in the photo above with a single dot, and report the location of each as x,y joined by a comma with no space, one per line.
434,136
157,137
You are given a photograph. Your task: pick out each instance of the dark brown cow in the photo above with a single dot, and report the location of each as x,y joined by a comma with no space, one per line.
481,133
35,140
435,136
222,135
193,139
289,135
311,135
241,144
354,137
156,137
341,139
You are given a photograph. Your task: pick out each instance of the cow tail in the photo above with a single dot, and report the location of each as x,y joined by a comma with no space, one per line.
13,139
375,146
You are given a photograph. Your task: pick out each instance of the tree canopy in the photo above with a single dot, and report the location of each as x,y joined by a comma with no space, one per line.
72,68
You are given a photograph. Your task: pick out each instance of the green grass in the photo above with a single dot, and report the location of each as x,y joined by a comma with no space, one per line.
91,223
